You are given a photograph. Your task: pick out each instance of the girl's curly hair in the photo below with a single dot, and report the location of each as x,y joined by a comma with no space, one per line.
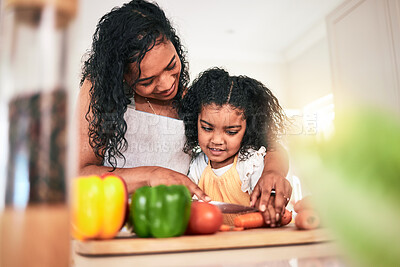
264,116
123,36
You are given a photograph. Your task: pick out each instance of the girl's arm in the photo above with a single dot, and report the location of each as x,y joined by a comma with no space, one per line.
276,166
89,164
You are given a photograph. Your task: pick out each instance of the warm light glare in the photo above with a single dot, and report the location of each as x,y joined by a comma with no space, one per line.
316,118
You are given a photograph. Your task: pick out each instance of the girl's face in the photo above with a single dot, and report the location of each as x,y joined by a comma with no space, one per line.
160,72
220,133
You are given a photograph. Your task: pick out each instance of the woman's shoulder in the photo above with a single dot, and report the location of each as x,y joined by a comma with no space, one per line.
86,84
84,92
84,97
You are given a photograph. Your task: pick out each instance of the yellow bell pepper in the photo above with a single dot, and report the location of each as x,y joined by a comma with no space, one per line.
98,206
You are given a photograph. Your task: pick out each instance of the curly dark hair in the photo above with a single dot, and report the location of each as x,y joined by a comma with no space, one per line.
265,118
123,36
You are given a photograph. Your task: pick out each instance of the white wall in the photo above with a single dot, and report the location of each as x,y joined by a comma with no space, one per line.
308,68
365,47
81,31
309,75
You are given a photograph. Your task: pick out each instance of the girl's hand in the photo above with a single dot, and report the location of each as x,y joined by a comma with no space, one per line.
272,206
166,176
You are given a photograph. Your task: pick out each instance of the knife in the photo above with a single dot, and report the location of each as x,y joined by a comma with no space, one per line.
234,208
230,207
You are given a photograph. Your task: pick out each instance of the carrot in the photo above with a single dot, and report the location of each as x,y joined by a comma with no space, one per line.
286,218
250,220
307,220
303,204
225,228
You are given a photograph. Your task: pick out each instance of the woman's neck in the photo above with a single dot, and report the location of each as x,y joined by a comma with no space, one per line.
155,106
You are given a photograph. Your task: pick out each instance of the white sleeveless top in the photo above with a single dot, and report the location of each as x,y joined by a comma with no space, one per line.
153,140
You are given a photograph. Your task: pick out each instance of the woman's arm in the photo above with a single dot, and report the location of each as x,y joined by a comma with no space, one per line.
276,166
90,164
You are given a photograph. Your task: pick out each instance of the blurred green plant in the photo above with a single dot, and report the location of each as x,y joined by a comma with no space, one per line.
355,178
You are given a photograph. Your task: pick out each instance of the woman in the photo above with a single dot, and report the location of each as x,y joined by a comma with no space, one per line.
131,90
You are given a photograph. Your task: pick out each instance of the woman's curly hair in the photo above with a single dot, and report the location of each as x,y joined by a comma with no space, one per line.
123,36
264,116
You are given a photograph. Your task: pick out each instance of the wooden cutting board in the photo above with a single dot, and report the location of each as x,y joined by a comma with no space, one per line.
260,237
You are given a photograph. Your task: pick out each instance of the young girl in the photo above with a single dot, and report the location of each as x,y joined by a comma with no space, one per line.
229,123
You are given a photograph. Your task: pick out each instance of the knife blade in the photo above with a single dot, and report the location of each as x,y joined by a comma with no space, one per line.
230,207
233,208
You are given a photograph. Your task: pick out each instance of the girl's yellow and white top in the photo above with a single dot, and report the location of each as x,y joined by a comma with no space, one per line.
232,183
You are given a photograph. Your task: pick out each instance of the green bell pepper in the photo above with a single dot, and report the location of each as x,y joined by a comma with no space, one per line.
160,211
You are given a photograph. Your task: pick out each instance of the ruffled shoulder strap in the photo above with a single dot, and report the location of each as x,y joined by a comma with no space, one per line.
197,167
250,170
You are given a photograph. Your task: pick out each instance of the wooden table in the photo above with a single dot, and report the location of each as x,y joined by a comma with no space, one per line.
300,248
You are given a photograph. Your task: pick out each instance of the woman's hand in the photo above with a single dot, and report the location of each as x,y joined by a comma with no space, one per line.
271,204
276,165
166,176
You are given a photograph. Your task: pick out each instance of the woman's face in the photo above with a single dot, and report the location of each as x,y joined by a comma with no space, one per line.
220,133
160,71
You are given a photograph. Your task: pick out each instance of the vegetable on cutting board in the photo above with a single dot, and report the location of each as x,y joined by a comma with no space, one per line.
205,218
307,217
286,218
98,206
226,228
256,219
160,211
250,220
304,204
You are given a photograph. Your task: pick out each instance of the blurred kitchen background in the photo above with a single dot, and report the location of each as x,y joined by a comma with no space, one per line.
316,56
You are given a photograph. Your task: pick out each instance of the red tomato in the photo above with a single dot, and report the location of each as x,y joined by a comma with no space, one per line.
205,218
